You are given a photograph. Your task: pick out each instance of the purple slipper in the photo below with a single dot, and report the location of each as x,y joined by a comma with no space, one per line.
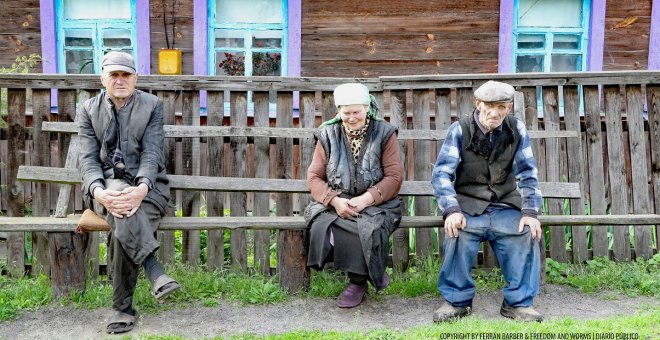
385,282
351,296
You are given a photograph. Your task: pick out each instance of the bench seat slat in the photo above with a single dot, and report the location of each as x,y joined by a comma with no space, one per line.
231,184
68,224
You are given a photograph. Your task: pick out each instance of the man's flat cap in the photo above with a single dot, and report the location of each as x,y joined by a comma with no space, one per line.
494,91
118,61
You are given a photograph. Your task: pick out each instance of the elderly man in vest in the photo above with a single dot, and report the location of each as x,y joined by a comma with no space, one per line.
485,182
123,169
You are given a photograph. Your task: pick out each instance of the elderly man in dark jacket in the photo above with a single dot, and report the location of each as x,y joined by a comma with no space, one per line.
486,157
122,166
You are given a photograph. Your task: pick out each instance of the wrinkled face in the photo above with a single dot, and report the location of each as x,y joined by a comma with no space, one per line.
119,84
492,114
353,116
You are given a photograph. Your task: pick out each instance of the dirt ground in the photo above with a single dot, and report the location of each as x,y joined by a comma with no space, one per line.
393,312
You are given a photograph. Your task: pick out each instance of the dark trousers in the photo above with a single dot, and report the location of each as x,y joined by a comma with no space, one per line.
125,267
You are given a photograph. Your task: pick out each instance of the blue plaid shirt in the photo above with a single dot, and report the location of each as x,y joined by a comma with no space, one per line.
524,168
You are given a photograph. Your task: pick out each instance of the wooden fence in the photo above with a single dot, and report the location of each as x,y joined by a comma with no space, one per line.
616,160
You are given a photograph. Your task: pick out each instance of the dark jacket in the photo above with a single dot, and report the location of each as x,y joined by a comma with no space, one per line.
141,143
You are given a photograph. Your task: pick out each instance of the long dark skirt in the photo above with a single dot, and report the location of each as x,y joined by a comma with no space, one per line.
347,253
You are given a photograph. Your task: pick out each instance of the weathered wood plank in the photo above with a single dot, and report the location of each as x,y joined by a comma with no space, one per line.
190,202
400,237
640,178
423,169
41,191
653,105
553,173
575,161
616,167
307,119
328,109
238,200
291,245
262,170
596,170
464,101
442,122
16,157
68,224
166,238
229,184
215,110
184,131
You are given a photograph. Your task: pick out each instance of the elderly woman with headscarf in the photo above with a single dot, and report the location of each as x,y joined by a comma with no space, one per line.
354,178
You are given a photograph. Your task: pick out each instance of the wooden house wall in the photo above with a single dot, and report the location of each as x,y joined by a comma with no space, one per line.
183,34
20,31
379,37
627,27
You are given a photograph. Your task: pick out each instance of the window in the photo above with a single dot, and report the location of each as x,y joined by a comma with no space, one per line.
550,35
87,29
247,38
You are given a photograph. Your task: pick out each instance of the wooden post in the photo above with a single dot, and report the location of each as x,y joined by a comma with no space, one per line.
166,237
291,245
215,243
238,200
15,200
617,168
262,169
596,169
328,108
640,178
423,170
442,122
575,175
653,97
400,237
41,191
191,166
553,172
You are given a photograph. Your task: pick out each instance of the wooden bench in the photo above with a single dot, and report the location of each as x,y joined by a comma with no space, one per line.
291,251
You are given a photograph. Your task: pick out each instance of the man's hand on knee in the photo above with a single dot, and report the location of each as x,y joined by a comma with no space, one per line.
534,226
453,223
134,197
113,201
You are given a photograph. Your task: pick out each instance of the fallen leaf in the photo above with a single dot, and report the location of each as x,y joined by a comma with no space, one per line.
626,22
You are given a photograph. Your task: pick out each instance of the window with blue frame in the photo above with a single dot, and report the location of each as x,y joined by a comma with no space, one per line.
87,29
550,35
247,38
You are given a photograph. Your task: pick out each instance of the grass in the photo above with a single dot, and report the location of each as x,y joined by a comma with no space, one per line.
639,326
207,288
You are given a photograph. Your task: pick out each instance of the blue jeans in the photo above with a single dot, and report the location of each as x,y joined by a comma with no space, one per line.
518,255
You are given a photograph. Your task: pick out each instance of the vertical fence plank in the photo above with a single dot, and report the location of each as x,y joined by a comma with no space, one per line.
41,191
596,171
191,166
574,145
15,200
423,168
307,145
617,168
238,200
400,237
640,180
442,122
291,245
262,169
67,249
328,109
215,242
166,237
653,97
553,173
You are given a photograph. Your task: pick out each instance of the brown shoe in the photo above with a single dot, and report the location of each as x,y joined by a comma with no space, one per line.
447,312
520,313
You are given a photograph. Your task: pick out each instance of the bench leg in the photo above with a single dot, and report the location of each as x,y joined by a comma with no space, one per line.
292,260
67,257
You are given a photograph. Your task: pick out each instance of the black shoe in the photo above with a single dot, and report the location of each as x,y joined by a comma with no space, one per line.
447,312
520,313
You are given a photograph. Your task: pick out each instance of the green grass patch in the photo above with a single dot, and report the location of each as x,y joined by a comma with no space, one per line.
17,295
